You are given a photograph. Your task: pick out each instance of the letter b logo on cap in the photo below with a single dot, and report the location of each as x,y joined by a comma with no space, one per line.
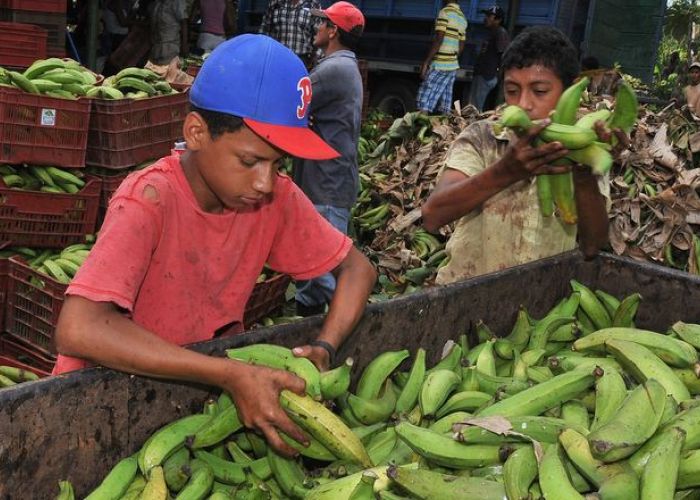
304,87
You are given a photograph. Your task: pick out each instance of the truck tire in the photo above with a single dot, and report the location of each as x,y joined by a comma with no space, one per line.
395,97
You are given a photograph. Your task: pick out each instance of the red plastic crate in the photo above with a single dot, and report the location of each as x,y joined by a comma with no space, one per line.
267,296
193,70
21,44
35,5
126,132
42,130
48,220
53,22
110,183
15,363
34,302
11,347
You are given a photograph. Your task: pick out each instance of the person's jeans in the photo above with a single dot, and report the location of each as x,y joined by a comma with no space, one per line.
480,89
320,290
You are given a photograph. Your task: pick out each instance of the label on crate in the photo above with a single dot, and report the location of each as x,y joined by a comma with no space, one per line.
48,117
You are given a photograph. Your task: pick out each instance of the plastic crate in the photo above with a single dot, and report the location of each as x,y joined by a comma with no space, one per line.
110,183
126,132
267,296
35,5
15,363
48,220
21,44
34,302
42,130
14,349
53,22
193,70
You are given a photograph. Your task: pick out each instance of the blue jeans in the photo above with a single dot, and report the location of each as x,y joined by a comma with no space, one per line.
320,290
480,90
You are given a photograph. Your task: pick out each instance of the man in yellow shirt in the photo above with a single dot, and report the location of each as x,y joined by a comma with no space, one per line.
439,69
488,183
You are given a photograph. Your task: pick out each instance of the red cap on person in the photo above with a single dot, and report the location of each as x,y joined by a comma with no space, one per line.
344,15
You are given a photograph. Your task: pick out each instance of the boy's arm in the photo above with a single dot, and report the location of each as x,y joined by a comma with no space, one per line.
437,41
97,331
355,279
592,213
456,194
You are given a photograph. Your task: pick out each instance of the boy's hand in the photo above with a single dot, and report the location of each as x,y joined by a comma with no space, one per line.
424,70
256,391
605,135
317,355
523,159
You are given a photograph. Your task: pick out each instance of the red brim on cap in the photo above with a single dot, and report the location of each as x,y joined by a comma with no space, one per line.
297,141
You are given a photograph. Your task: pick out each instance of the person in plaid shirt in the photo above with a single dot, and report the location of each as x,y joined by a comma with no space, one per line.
290,22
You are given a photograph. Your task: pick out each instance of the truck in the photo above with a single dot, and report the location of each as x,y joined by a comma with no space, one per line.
398,34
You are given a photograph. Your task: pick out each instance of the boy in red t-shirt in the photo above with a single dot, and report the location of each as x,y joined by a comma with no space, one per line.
185,239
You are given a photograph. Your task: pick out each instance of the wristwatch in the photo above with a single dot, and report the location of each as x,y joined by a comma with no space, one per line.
329,349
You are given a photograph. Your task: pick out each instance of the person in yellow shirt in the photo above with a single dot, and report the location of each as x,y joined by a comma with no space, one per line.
692,90
488,182
440,66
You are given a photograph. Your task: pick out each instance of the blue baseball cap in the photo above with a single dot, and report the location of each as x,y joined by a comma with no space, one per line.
262,81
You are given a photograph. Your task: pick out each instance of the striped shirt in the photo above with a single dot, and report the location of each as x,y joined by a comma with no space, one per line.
453,24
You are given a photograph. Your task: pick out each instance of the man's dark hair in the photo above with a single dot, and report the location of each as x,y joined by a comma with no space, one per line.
349,39
546,46
219,123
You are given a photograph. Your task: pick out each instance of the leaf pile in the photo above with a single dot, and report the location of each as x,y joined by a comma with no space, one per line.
655,213
398,171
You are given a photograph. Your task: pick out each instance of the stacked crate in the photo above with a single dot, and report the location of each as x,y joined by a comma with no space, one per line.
49,15
21,44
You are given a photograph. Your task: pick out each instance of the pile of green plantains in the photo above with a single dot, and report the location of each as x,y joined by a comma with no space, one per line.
579,402
60,265
67,79
10,375
54,77
42,178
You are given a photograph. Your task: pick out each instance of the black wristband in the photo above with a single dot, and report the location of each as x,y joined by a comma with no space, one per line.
329,349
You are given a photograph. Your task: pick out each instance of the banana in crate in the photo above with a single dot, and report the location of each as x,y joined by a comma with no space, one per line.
133,83
54,77
42,178
10,376
67,79
61,265
494,420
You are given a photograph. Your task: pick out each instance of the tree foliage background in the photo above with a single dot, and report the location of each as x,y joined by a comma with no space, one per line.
677,38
